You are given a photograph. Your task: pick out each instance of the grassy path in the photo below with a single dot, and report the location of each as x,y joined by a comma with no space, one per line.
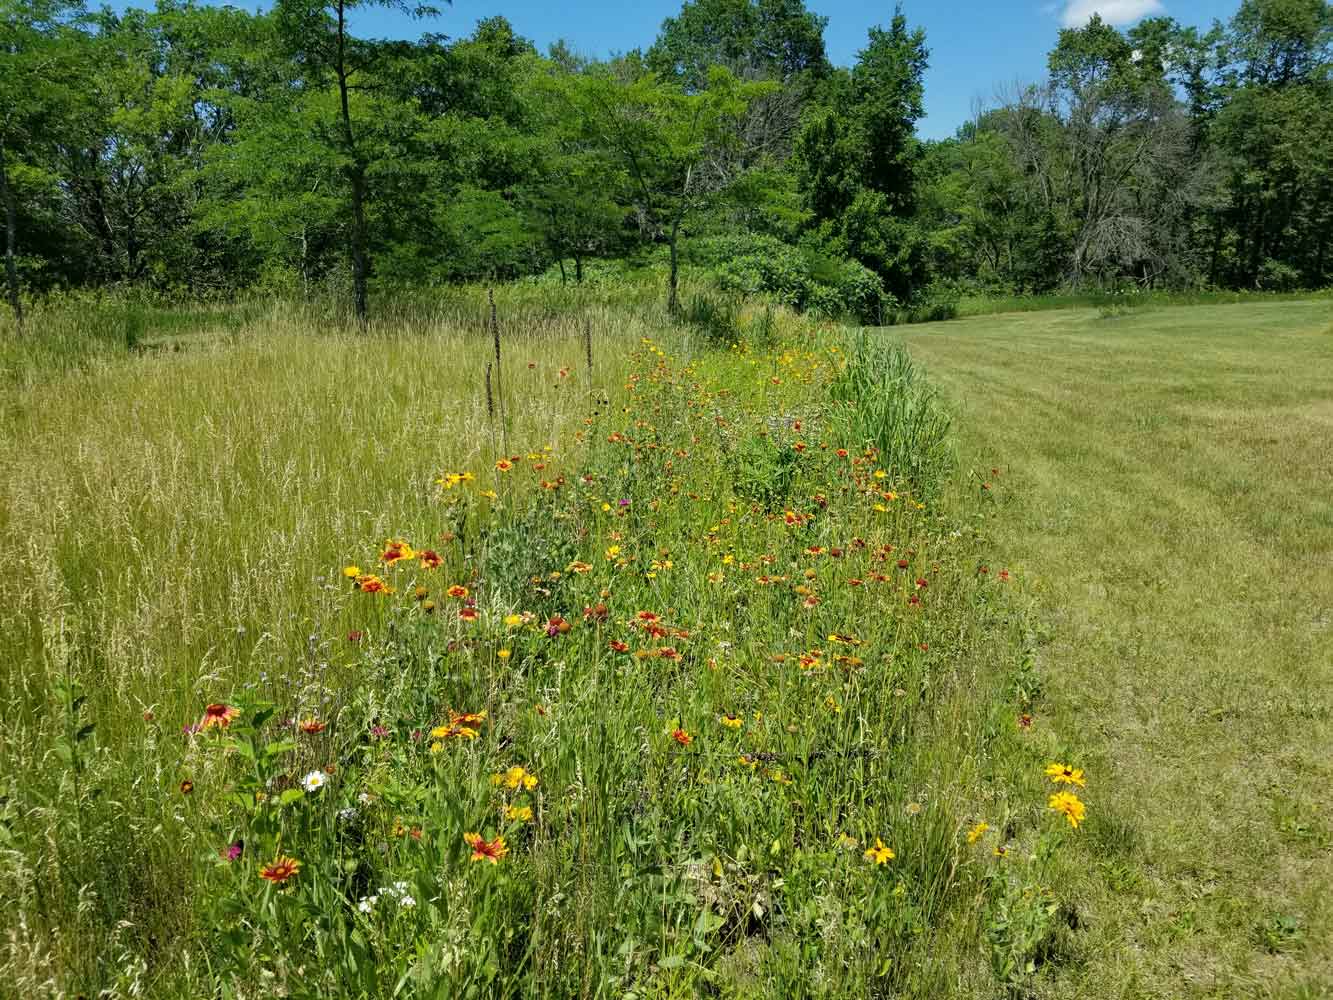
1167,479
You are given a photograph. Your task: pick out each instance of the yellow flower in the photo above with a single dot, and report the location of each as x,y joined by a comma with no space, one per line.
514,777
351,572
1070,805
977,832
732,721
504,654
519,814
1063,774
612,551
512,620
879,853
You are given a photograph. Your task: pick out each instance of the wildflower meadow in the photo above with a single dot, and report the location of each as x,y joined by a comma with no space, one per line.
562,656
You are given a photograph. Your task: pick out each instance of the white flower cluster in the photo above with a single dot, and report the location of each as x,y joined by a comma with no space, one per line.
397,891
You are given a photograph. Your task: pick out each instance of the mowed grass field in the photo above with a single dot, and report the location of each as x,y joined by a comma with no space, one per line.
1166,482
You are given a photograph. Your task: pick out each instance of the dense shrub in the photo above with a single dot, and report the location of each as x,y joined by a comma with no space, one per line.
796,277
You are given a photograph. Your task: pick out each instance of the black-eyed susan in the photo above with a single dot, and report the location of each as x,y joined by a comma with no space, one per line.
1068,805
879,854
1063,774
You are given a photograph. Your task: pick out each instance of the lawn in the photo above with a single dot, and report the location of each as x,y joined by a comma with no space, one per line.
1166,488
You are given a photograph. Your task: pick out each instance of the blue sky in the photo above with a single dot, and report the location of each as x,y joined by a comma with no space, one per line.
976,46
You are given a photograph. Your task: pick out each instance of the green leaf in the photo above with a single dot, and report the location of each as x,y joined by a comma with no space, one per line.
290,796
279,747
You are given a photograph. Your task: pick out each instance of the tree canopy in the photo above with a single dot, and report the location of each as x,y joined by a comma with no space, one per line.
200,150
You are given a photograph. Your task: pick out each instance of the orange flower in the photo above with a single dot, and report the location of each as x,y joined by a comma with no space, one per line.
484,850
682,737
218,715
668,653
430,559
618,646
504,465
468,614
313,726
394,550
646,616
457,591
466,718
187,786
371,584
280,869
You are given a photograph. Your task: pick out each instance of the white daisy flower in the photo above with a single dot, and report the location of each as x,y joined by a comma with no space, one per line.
314,781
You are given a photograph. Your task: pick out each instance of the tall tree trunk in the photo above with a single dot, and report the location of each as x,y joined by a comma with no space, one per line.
11,240
578,269
673,305
356,176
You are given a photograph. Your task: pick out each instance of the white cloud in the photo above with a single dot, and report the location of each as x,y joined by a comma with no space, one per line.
1078,12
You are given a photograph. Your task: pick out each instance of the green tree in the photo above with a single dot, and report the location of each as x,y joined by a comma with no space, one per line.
1274,128
767,39
42,78
857,155
671,145
316,32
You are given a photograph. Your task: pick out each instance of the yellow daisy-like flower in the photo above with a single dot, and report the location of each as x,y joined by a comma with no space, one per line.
1063,774
879,853
351,572
515,777
1069,805
977,832
519,814
731,721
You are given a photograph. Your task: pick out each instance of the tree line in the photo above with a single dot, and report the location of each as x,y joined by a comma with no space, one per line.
199,150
